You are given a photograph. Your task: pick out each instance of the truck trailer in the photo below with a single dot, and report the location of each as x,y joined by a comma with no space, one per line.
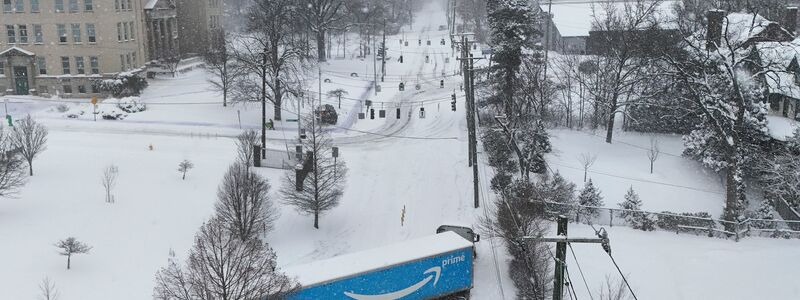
429,267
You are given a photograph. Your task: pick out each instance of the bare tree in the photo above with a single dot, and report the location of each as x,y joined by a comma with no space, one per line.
224,267
653,152
586,160
243,205
321,182
320,15
109,180
220,63
30,139
184,167
12,167
614,290
270,52
338,93
244,146
48,290
70,246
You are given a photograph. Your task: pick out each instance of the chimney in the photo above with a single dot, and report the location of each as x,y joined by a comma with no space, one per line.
714,34
790,19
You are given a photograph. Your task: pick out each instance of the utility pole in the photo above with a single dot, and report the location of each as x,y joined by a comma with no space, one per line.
374,67
561,251
383,49
264,104
320,85
547,37
469,90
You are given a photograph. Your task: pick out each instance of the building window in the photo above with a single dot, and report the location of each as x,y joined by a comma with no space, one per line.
67,89
122,62
119,32
82,89
73,6
133,31
116,5
76,32
62,33
135,61
59,5
23,33
7,8
128,60
91,33
80,65
130,7
125,30
37,34
41,65
122,5
94,64
65,65
35,6
20,6
88,5
12,35
2,71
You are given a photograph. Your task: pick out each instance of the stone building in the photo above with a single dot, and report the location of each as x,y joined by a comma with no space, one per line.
198,23
59,47
162,30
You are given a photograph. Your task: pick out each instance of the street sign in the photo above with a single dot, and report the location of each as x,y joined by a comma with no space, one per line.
94,100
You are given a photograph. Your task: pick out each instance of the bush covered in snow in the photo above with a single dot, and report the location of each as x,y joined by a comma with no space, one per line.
130,104
670,221
124,85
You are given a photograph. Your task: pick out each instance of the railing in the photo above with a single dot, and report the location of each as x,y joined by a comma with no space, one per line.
787,212
677,223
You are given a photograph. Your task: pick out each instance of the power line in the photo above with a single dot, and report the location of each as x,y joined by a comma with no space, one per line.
623,275
642,180
580,270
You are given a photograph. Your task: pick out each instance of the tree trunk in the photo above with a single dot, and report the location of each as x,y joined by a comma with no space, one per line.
321,46
731,195
184,176
68,261
651,167
278,99
611,115
30,166
316,219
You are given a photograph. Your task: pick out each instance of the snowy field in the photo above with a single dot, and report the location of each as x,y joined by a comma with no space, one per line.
416,164
677,184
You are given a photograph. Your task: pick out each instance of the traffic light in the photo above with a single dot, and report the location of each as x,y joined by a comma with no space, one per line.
453,102
372,114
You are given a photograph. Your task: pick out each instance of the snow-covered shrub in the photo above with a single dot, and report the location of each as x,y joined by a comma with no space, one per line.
633,214
501,181
131,105
589,196
124,85
670,221
762,217
62,108
113,114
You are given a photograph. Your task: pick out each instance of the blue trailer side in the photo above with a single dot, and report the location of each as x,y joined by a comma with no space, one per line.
445,271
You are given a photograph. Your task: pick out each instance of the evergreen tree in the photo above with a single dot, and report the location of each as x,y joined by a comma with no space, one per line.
536,143
633,215
559,194
513,28
589,196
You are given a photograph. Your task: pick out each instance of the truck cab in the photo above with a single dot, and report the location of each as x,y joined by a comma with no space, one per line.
465,232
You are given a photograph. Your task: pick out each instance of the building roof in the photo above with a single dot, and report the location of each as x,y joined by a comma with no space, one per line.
14,49
576,19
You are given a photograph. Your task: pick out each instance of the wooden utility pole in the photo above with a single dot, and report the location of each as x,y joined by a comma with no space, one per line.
264,105
467,65
561,252
383,50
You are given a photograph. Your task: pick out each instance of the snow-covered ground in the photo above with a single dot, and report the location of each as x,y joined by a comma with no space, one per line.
415,163
677,184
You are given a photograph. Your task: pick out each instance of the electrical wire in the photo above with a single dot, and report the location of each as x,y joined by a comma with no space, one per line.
623,275
580,270
571,289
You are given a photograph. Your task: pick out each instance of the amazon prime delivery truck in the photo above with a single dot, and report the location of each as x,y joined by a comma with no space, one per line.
430,267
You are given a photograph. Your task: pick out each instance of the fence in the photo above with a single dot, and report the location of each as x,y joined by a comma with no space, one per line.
678,223
787,212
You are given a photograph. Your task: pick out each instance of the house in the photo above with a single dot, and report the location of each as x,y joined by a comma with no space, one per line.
774,49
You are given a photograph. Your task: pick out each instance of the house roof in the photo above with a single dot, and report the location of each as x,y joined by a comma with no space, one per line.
576,19
16,49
